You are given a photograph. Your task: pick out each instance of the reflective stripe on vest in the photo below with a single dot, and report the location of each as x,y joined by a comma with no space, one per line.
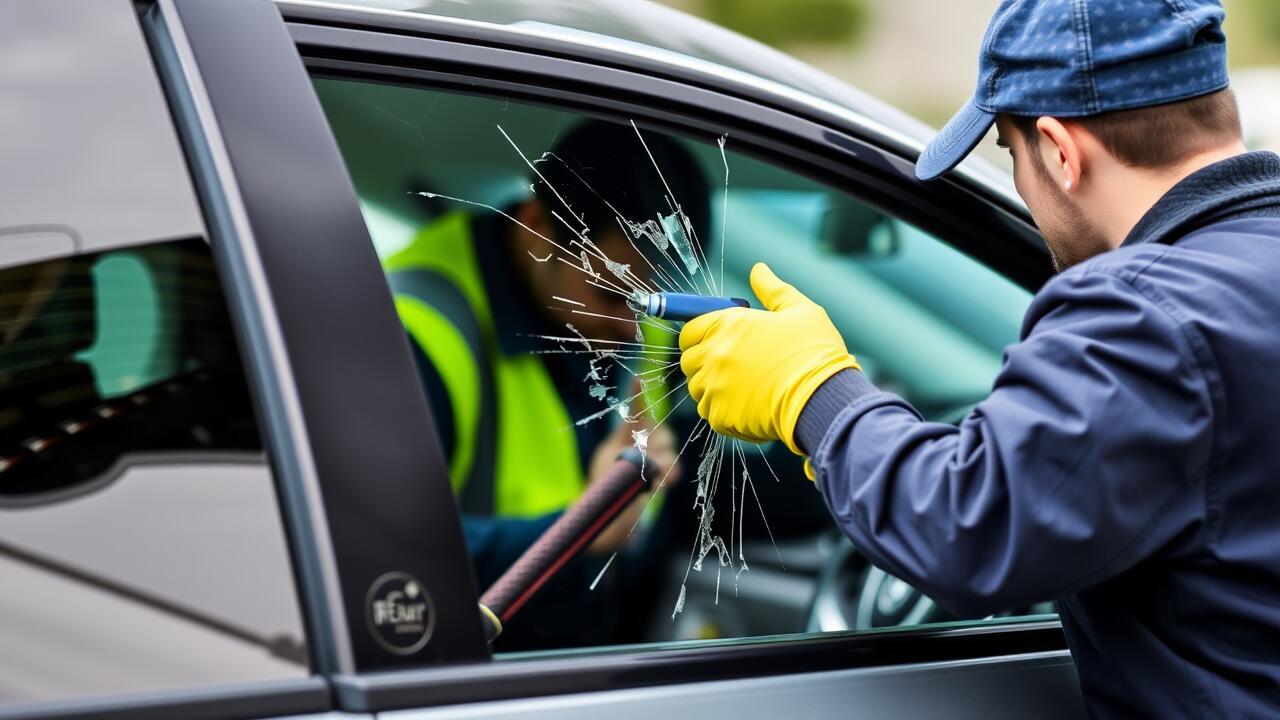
516,456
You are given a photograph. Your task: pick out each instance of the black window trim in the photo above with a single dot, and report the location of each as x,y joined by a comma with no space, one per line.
821,151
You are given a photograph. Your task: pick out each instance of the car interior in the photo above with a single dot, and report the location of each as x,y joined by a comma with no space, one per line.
924,319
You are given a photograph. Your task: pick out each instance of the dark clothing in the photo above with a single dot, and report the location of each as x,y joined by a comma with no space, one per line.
496,542
517,326
1125,463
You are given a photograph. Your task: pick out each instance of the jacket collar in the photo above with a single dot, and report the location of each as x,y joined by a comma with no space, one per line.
1242,186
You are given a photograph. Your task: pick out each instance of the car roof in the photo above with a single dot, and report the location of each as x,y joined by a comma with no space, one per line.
656,32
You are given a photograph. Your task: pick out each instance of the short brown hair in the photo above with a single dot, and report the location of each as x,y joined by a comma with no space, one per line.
1161,135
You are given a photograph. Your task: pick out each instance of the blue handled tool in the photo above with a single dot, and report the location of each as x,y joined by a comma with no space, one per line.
683,307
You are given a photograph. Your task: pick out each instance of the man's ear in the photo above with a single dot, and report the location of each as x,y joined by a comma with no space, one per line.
1062,153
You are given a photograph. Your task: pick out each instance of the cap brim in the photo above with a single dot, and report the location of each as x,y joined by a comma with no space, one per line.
954,143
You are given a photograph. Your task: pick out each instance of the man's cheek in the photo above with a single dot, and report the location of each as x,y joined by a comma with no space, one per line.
1020,183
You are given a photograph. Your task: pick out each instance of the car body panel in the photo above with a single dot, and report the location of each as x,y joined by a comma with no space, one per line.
252,306
85,637
266,161
82,110
1040,685
280,698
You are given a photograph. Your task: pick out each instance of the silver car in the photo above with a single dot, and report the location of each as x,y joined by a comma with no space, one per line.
222,493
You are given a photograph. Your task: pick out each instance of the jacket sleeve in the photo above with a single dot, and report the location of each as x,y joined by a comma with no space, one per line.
1089,455
496,543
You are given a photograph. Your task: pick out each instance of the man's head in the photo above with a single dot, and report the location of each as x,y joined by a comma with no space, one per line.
1122,95
1087,180
601,171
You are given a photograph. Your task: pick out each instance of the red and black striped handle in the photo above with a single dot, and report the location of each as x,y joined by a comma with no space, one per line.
568,536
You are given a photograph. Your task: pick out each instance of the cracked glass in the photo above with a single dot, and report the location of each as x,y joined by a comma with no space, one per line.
558,234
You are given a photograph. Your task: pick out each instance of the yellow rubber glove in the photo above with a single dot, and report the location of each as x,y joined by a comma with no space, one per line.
752,371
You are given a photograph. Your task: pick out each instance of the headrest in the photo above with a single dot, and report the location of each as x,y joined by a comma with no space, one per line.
847,226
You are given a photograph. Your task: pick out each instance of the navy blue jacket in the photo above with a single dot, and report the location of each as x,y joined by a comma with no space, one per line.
1126,463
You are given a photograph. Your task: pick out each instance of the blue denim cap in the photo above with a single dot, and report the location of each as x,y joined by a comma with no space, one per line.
1074,58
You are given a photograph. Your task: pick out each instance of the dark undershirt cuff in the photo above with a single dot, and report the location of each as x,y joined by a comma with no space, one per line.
833,396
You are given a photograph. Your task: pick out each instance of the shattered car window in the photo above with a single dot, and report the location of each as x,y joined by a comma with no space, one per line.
550,239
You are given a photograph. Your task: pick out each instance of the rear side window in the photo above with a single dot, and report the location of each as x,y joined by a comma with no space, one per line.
140,542
141,546
109,359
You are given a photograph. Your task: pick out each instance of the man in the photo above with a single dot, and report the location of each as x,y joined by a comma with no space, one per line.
1125,461
478,295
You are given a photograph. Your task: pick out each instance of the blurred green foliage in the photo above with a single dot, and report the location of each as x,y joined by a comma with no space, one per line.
1253,31
780,24
1268,14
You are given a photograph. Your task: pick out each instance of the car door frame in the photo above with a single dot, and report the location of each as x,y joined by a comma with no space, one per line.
350,437
224,112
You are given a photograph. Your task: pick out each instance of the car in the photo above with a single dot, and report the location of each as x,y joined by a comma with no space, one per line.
222,493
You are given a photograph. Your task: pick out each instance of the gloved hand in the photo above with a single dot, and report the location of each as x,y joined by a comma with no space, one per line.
752,371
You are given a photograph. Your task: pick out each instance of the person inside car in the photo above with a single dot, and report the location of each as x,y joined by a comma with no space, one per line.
478,293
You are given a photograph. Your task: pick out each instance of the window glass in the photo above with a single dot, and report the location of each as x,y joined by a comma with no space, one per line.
483,201
140,541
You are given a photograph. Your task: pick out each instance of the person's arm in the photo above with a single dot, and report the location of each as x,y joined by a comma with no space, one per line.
495,543
1089,456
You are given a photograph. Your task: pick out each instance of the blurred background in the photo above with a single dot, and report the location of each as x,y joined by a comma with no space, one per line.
921,55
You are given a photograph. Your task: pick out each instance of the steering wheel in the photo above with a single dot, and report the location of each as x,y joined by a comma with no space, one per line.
853,594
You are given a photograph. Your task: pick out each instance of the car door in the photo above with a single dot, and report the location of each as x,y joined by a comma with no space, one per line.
144,565
374,514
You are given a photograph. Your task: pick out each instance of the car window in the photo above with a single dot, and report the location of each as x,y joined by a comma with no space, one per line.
141,544
486,199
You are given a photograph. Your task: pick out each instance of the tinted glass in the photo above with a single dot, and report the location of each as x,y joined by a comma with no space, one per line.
140,540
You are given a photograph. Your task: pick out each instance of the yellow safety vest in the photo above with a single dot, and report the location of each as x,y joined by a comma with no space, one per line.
516,454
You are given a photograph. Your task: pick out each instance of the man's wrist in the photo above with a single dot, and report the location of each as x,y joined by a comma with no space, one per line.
833,396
